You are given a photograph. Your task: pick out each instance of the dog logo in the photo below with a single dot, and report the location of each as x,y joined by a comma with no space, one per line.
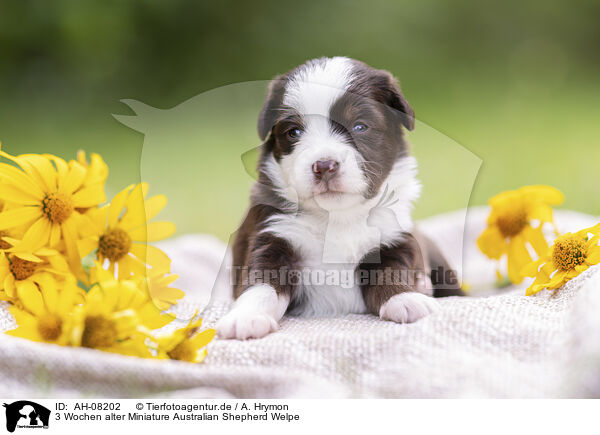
26,414
207,134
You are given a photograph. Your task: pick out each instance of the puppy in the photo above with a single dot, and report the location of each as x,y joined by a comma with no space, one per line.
329,229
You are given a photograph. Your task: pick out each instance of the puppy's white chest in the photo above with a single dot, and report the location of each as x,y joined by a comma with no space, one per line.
329,253
328,290
347,242
330,248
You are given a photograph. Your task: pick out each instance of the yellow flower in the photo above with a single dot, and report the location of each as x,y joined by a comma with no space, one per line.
47,194
571,254
106,330
116,317
44,310
186,344
121,237
515,222
120,295
19,268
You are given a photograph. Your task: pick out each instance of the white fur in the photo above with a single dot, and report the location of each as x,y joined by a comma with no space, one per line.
326,240
408,307
315,87
254,314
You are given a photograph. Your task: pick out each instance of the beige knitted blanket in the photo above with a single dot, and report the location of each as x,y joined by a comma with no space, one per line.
487,345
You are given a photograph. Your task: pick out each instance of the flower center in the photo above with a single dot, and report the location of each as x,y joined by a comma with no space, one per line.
22,269
49,327
114,244
57,207
99,332
569,252
512,223
3,244
183,352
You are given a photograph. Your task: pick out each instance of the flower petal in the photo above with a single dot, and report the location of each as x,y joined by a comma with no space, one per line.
11,193
154,205
535,236
89,196
151,317
492,243
54,235
18,216
153,232
151,255
9,285
31,297
69,231
44,170
116,206
543,212
129,265
203,338
36,237
594,257
74,178
135,216
547,194
10,174
87,245
49,291
66,299
532,269
518,258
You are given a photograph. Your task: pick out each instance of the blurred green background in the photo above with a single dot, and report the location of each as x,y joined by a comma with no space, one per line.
514,82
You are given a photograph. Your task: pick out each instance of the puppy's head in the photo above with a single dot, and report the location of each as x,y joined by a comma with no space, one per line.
333,131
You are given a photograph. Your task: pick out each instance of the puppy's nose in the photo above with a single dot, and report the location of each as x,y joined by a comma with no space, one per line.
325,169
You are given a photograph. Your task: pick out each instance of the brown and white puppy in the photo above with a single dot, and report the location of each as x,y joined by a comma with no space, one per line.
329,226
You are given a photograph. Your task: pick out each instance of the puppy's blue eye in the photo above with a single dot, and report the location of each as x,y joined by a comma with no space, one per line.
294,133
359,127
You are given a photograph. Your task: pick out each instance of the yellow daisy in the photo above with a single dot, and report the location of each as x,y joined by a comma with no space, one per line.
19,268
44,310
186,344
106,330
47,193
515,222
571,254
116,317
120,295
119,232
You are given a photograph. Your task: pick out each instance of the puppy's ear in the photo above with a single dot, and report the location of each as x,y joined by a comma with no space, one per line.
396,100
270,110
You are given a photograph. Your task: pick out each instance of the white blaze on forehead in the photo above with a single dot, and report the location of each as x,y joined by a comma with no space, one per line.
317,85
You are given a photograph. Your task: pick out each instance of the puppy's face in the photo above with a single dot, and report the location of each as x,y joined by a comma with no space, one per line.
334,131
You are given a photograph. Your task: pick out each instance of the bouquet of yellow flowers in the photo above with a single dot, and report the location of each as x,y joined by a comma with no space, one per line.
514,230
78,272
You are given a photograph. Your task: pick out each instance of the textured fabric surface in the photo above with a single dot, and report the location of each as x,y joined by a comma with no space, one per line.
501,345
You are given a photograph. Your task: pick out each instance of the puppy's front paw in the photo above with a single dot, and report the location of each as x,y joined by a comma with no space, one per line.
244,324
408,307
